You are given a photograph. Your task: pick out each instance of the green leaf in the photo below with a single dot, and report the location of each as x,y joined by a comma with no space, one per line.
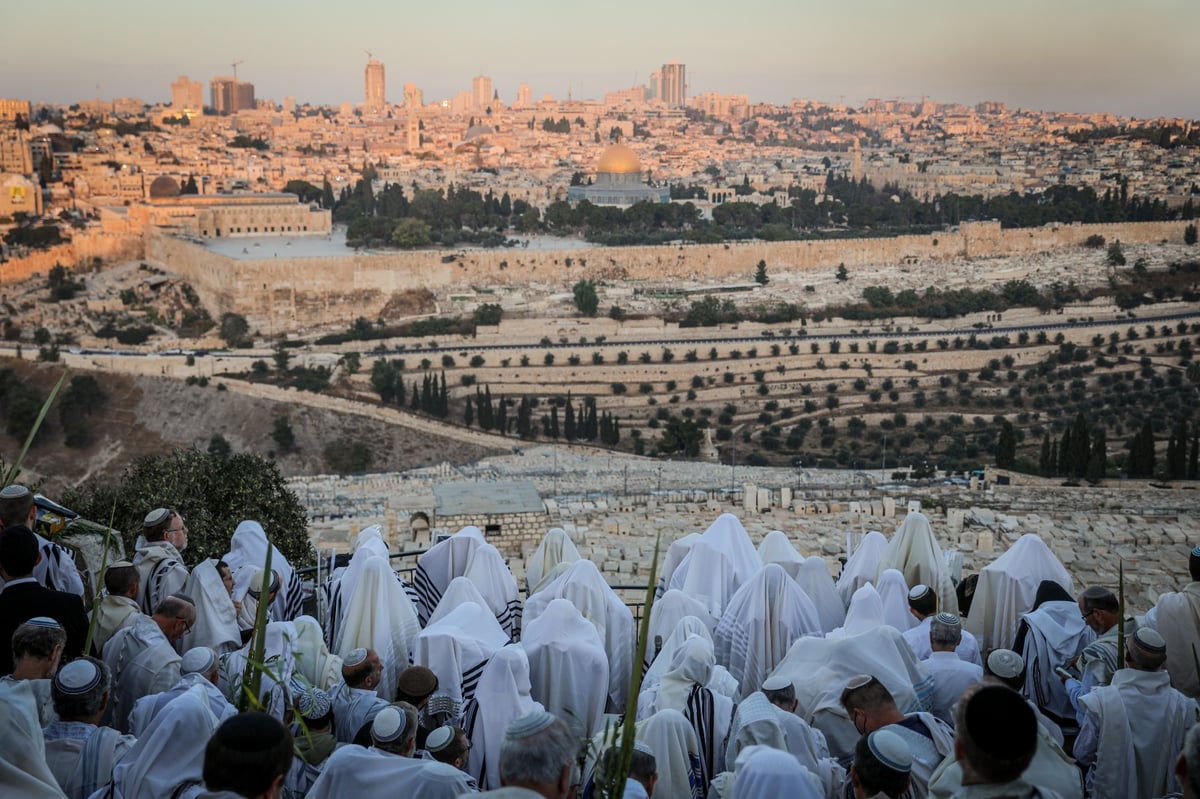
15,469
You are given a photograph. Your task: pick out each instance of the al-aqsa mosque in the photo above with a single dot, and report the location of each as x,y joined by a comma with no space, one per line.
618,181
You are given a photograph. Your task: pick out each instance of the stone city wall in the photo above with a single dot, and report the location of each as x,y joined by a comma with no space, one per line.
276,293
77,254
519,532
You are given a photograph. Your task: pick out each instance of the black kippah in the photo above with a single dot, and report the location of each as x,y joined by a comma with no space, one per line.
1000,723
250,732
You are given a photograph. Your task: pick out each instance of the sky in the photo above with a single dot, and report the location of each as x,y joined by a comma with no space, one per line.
1130,57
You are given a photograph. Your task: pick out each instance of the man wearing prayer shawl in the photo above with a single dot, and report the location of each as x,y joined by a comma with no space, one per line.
665,614
118,608
863,565
760,623
1098,661
80,753
37,647
718,563
871,707
1133,728
1007,588
439,565
501,698
814,579
721,682
490,574
914,551
56,568
951,676
805,743
199,667
314,738
670,736
777,548
343,584
160,566
556,547
247,552
380,617
893,593
387,767
922,604
355,702
142,658
216,615
767,772
23,769
456,648
1051,635
1176,617
568,670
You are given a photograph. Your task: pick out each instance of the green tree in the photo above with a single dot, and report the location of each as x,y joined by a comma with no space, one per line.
1098,459
760,273
282,434
1189,234
1046,464
78,402
1006,446
234,329
842,274
489,313
347,457
1116,255
213,494
351,362
282,357
411,233
219,447
586,300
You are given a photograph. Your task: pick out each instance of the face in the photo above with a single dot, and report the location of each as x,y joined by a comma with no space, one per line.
177,533
376,668
227,578
858,717
1091,617
181,625
460,762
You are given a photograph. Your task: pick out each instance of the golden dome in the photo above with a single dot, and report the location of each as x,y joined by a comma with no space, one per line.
619,160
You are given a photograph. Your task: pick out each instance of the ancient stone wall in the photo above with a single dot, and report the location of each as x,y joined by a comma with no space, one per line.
518,532
280,293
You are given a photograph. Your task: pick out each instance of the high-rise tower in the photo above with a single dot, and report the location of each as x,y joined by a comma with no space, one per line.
481,92
376,96
673,88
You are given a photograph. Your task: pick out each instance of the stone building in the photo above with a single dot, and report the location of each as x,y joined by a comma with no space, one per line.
619,181
209,216
511,514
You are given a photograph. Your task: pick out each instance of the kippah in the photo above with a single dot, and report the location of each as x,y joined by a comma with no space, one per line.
250,732
1011,740
857,681
416,681
311,703
156,517
198,660
529,724
78,677
256,581
389,724
949,618
917,591
890,750
776,682
439,739
356,657
1096,592
42,621
120,564
14,491
1005,663
643,747
1196,552
1150,641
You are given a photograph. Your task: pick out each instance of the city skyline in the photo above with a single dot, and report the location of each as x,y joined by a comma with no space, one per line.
1067,56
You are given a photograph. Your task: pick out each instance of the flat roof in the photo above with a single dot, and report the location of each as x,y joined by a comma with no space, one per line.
490,497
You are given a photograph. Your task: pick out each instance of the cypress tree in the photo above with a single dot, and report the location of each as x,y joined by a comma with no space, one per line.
552,431
1193,470
1046,462
1006,446
1098,458
1080,447
569,431
469,413
1064,453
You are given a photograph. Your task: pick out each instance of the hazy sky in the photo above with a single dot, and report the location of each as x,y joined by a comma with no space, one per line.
1136,57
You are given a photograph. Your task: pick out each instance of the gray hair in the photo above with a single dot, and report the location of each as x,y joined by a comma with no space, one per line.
71,707
943,633
399,745
36,641
538,759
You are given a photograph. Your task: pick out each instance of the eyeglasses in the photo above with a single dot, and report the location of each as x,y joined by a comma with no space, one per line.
187,625
1089,613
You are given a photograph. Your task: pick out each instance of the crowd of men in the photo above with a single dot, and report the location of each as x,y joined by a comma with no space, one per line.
761,674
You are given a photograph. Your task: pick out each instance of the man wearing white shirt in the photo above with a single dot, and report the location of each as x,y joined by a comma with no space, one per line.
951,676
922,604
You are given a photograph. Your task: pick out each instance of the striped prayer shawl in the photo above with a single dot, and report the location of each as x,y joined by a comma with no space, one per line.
427,593
699,712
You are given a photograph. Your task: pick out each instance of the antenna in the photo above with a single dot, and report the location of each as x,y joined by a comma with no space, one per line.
370,55
235,66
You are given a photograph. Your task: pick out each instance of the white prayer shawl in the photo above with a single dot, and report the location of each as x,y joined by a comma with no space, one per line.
23,769
459,590
456,648
56,570
280,664
1177,619
115,612
755,723
914,551
556,547
682,688
864,614
1051,768
671,738
721,680
1057,635
371,531
170,754
763,618
142,662
809,747
146,709
777,548
443,562
380,617
353,708
918,640
718,564
356,771
1141,722
568,670
161,571
314,663
893,593
490,574
928,751
501,697
341,588
1007,587
814,579
767,772
676,552
862,566
216,617
587,590
248,552
820,667
665,615
82,756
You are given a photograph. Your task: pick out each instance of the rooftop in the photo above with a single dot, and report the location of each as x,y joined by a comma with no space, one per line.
488,498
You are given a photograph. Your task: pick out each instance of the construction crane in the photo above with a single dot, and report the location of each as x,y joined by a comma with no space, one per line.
235,66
